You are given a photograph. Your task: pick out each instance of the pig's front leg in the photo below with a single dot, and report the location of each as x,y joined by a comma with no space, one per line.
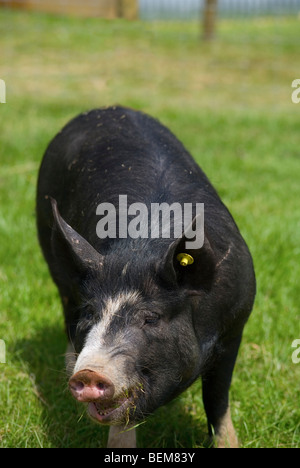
225,433
215,388
121,437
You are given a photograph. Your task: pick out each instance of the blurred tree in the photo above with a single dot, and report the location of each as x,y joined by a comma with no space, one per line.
209,19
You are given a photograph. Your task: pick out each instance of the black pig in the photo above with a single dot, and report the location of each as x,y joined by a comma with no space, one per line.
143,323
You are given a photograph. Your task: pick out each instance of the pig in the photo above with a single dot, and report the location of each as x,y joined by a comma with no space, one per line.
145,317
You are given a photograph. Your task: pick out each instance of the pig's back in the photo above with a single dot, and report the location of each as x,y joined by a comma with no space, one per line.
105,153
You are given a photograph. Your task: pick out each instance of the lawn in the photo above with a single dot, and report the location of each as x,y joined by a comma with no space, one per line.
230,103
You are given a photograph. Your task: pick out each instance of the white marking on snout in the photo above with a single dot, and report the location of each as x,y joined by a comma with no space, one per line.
96,355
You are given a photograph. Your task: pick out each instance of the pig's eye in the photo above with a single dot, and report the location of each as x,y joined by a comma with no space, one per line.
153,320
87,314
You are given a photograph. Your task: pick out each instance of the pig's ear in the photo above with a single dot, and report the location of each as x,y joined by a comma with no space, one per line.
188,268
70,248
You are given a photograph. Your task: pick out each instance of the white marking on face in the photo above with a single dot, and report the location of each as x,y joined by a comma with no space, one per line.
95,354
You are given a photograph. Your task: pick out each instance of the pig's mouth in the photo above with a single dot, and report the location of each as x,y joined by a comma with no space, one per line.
111,411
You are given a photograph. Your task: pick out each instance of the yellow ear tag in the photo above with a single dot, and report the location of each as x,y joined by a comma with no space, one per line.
185,259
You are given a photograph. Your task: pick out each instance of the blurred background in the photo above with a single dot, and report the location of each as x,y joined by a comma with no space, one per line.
158,9
219,74
247,50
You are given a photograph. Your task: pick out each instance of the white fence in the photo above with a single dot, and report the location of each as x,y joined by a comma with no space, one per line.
191,9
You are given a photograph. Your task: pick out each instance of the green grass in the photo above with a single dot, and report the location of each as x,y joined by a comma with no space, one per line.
230,103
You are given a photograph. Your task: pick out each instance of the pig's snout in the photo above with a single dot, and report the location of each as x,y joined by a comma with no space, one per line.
87,386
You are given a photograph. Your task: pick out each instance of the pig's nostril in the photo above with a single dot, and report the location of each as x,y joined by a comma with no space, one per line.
100,386
80,385
77,385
